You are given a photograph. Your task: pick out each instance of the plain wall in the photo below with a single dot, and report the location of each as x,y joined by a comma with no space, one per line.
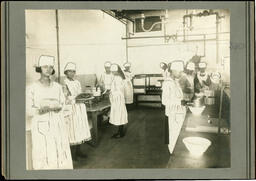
88,38
146,54
91,37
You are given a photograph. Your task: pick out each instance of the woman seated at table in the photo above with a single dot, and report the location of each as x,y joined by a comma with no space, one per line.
77,121
118,112
45,99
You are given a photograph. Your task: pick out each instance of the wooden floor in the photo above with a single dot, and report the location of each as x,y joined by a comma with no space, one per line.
143,146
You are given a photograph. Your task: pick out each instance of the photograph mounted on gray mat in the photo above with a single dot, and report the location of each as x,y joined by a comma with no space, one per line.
130,88
170,113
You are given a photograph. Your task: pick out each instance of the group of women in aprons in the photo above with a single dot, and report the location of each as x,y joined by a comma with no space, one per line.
179,86
58,124
118,84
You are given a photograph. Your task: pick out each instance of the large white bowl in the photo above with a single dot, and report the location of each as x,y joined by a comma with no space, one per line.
196,110
196,145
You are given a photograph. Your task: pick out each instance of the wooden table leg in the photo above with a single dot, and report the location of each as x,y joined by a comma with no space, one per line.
94,141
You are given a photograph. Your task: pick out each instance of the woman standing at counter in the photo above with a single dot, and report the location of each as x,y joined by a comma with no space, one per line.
202,80
77,121
187,82
118,112
45,99
128,84
165,74
174,109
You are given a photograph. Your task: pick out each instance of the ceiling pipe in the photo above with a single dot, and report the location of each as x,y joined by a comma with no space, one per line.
58,42
201,14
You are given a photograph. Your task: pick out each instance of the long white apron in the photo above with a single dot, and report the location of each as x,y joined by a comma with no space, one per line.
175,111
128,93
164,88
76,120
118,112
50,144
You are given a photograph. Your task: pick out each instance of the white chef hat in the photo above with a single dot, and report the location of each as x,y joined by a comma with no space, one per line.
162,64
70,66
45,60
127,64
177,65
202,65
107,64
191,66
114,68
215,77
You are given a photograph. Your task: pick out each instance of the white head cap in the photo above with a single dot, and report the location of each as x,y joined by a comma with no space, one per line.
177,65
46,60
70,66
215,77
162,64
114,68
191,66
127,64
107,64
202,65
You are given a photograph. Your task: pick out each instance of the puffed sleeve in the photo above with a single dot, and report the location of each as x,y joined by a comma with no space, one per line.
31,109
79,87
61,95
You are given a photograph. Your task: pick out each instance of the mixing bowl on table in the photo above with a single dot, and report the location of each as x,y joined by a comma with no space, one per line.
196,145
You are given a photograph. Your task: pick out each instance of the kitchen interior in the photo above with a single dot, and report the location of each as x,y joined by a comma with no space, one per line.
145,38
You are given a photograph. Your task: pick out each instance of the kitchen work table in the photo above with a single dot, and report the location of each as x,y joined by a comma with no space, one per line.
216,156
94,110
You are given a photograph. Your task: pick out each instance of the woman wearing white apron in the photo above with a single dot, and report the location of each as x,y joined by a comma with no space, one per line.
45,99
174,109
118,112
128,85
202,80
165,74
105,84
187,82
106,78
77,121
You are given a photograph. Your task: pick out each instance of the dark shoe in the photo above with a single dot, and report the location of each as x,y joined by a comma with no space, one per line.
122,135
115,135
118,136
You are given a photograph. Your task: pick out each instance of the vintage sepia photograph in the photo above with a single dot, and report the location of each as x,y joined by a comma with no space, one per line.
127,88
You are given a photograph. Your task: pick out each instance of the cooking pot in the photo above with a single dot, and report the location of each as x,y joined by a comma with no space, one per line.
209,100
198,100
